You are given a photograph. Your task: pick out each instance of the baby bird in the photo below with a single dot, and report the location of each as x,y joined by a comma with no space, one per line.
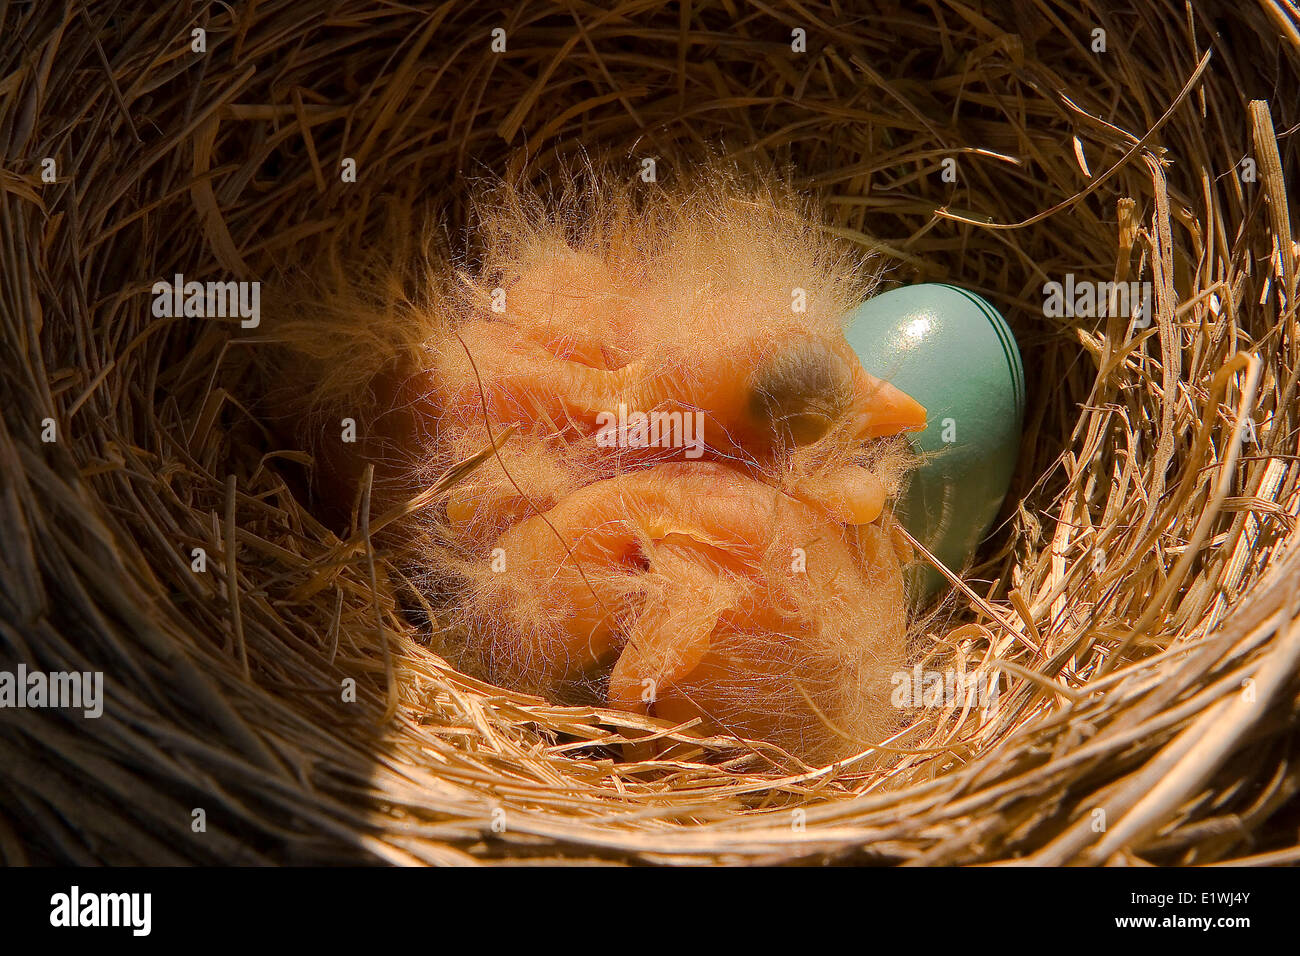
715,596
689,517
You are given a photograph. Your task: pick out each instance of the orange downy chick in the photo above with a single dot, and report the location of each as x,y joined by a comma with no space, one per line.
710,579
711,593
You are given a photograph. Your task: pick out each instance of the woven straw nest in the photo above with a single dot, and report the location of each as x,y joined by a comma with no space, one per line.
1139,600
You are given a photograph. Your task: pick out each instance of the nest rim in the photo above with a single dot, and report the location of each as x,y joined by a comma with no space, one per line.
226,680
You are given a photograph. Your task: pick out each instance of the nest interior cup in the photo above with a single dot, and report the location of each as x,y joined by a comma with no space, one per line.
1115,179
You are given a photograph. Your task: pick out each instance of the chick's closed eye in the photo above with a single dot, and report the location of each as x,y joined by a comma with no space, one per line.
801,391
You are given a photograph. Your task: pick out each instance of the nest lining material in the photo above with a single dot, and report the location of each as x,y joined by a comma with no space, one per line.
1152,689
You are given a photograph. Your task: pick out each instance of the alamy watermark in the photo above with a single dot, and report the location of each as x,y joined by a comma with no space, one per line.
207,300
950,688
67,690
633,429
1086,299
76,909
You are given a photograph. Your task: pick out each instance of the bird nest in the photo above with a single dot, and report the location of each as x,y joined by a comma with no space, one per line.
271,693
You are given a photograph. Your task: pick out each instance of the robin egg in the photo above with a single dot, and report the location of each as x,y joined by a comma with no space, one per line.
950,350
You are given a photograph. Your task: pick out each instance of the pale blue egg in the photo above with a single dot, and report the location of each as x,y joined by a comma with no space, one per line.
951,351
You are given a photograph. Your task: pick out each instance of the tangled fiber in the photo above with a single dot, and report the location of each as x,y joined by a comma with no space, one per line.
1138,602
